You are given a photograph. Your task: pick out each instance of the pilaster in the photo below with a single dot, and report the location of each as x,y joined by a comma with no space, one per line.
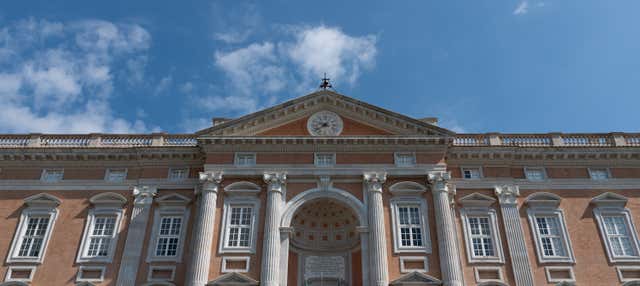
269,275
508,197
143,197
446,229
198,268
378,265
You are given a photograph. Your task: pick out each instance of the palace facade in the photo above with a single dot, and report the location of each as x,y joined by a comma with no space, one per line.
320,190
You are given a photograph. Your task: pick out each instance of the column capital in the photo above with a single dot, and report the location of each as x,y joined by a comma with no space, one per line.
210,180
275,180
374,180
507,194
439,181
143,195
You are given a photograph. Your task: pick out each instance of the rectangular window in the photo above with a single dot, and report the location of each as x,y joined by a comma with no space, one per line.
239,227
481,237
245,159
618,235
168,238
471,173
178,174
550,237
324,159
410,226
405,159
599,173
534,174
115,175
33,237
52,175
101,236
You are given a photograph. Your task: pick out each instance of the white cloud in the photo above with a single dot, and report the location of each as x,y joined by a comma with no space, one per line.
164,84
260,70
187,87
523,8
59,77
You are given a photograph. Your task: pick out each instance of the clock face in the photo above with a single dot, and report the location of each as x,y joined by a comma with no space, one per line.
324,123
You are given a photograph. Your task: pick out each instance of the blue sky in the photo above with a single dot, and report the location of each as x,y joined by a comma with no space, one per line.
479,66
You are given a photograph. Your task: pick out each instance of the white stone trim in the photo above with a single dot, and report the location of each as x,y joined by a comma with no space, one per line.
404,269
11,269
88,227
318,163
426,236
338,170
599,212
92,185
396,160
542,168
548,269
230,202
150,278
37,205
246,259
477,269
173,178
619,270
606,169
469,167
236,160
465,214
175,208
102,270
107,175
551,184
45,171
532,213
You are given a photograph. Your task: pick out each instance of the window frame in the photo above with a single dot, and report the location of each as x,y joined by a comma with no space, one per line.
45,172
544,174
491,214
396,159
88,228
236,159
41,205
592,170
109,171
421,203
178,179
533,213
317,162
231,202
600,213
464,168
170,205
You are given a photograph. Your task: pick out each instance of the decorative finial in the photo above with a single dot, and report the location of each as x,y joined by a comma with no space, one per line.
325,83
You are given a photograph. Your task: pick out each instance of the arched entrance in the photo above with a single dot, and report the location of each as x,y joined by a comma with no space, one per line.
325,243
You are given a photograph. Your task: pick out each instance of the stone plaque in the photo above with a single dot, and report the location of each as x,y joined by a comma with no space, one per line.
324,267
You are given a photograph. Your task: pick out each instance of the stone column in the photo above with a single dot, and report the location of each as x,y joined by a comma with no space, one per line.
135,235
285,233
446,229
377,237
271,247
508,197
200,256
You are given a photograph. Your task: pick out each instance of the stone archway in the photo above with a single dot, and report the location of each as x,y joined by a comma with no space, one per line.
324,228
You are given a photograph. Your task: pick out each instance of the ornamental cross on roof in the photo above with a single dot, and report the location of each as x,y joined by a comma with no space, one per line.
325,83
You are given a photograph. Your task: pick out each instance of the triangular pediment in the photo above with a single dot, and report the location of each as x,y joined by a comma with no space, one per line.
476,200
233,279
415,279
290,119
610,199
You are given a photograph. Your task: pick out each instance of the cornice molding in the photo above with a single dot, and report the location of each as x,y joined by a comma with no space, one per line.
550,184
338,170
94,185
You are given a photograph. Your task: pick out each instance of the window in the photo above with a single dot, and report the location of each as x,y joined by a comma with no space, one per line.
115,175
101,230
616,228
169,236
550,232
410,228
471,173
178,174
324,159
599,173
535,174
480,229
169,228
405,159
52,175
245,159
239,228
34,229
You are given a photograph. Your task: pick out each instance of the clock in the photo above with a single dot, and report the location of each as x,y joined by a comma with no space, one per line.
324,123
